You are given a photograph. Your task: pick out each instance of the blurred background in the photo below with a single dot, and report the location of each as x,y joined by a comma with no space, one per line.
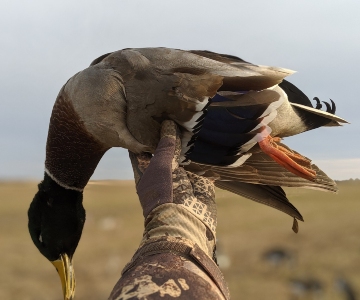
44,43
261,257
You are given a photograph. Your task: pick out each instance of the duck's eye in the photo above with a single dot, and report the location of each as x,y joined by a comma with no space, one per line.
40,238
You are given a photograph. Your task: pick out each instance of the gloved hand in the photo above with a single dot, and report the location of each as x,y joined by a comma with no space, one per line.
161,182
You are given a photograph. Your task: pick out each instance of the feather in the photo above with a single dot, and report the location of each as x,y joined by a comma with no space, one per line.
325,114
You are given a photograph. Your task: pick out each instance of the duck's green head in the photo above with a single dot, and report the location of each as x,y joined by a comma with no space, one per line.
56,220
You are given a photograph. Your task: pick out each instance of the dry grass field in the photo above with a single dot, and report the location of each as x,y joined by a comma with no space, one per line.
326,248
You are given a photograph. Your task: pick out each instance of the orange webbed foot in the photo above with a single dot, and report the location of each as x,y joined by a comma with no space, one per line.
294,162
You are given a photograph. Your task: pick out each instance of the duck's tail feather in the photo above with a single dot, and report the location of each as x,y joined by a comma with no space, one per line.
329,118
314,117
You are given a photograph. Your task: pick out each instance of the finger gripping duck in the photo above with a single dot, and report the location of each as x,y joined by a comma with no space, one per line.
232,115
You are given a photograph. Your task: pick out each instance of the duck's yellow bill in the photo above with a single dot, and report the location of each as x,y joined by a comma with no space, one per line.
66,272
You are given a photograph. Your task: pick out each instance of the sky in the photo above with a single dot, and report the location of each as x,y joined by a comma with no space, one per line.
44,43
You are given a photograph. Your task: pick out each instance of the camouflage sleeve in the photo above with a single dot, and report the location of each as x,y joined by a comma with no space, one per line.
165,276
176,258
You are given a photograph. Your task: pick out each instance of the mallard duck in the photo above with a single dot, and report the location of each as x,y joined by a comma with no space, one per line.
232,115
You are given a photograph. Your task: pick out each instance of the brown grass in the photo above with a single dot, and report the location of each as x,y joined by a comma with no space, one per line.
327,246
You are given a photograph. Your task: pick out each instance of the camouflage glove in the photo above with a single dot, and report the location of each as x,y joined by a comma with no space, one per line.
174,202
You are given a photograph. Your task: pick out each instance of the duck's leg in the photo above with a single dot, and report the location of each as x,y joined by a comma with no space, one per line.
294,162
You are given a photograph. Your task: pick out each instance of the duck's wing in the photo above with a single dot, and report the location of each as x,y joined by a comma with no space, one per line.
270,75
263,178
260,178
236,73
261,169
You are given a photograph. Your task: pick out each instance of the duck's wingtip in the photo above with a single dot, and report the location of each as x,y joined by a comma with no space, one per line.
286,71
299,217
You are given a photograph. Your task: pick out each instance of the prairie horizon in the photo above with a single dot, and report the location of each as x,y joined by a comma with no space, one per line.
325,249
